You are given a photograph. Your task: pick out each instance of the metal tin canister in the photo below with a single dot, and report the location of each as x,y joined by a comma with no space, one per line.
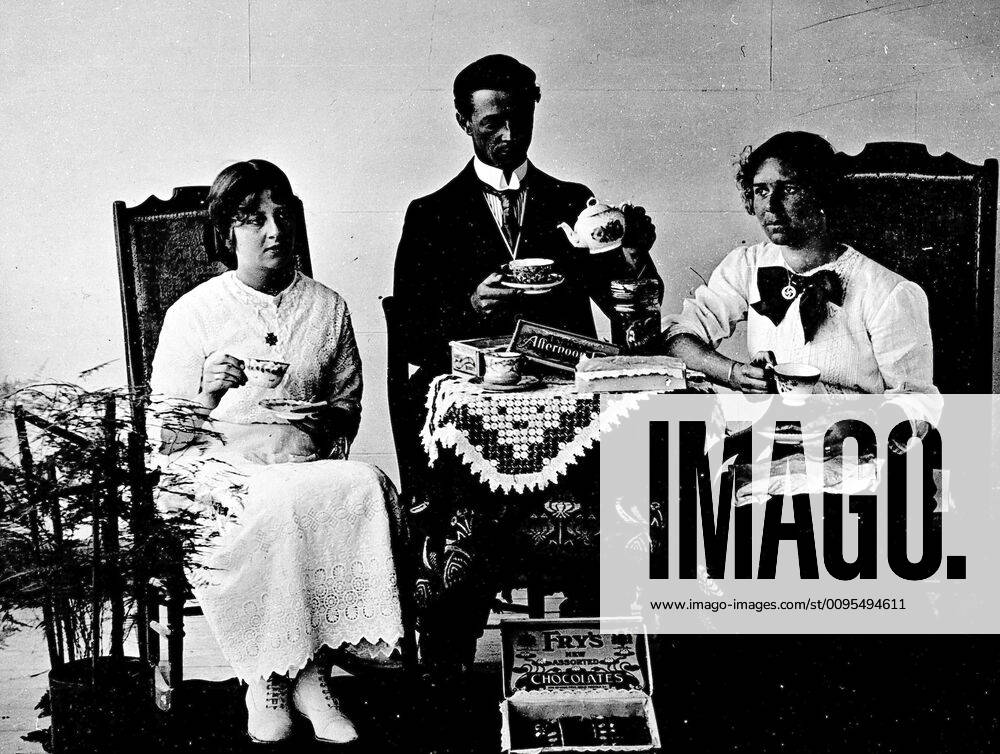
637,310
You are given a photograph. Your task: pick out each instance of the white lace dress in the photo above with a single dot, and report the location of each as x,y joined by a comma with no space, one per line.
299,547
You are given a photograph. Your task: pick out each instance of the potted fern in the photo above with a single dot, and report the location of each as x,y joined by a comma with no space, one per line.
79,541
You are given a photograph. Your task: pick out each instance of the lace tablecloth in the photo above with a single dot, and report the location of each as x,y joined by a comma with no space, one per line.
519,441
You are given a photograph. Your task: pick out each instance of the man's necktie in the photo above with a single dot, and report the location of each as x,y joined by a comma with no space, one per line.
510,223
779,287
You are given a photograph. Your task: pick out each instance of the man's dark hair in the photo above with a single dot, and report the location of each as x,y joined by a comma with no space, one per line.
500,72
232,189
811,157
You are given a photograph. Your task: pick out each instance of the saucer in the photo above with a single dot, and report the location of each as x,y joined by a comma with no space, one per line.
527,382
290,408
556,279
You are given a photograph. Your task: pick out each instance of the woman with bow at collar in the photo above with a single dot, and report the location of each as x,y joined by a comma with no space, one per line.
806,297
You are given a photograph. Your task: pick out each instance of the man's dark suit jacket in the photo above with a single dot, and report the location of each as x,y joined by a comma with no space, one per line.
451,242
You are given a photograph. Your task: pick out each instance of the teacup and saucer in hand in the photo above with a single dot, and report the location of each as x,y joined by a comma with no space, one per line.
533,275
327,425
533,270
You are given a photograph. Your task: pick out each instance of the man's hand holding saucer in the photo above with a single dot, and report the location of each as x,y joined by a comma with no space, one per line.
491,297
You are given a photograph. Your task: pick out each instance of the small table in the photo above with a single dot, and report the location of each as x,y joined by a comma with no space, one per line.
514,493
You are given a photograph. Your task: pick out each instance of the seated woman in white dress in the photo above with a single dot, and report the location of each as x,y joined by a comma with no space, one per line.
806,297
300,560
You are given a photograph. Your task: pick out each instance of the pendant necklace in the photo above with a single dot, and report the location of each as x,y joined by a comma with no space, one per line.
789,292
270,336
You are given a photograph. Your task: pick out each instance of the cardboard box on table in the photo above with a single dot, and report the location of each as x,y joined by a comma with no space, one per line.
546,347
467,355
561,670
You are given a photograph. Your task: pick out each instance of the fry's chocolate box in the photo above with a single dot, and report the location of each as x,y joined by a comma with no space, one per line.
568,687
467,355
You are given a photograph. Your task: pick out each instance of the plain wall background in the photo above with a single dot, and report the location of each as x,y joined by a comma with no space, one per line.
643,101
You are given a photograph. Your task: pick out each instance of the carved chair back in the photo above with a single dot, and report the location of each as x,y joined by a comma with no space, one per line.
932,219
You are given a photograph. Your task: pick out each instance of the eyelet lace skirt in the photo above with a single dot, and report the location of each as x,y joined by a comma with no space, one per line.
299,559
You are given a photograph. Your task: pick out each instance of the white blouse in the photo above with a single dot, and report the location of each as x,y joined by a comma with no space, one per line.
878,341
311,329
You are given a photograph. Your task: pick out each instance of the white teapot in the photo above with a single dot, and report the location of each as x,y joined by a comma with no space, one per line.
599,228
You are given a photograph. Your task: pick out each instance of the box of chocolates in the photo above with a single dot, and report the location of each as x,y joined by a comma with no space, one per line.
467,355
576,685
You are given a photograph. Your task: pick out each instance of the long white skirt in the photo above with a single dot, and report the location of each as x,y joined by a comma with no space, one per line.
302,561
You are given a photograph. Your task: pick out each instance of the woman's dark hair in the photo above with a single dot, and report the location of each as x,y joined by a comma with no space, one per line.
810,155
236,187
500,72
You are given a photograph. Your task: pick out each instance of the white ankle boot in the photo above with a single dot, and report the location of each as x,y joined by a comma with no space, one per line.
313,698
268,712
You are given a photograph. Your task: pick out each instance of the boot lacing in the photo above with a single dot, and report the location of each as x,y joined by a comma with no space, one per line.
324,685
276,692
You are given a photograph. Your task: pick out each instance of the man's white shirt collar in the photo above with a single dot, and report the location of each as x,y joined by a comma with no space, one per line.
494,178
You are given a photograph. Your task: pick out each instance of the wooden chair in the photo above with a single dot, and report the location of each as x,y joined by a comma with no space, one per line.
932,219
402,418
166,248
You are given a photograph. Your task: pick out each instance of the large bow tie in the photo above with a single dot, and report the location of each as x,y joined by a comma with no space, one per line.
779,287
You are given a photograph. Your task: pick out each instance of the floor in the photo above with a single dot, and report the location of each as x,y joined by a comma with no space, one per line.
23,681
712,694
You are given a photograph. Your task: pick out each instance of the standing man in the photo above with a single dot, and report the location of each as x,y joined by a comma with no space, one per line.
500,206
447,287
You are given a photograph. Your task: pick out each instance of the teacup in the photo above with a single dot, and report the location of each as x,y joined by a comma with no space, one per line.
502,367
531,271
795,379
264,372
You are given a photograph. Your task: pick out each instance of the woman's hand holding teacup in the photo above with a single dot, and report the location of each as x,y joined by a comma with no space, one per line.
754,377
220,373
